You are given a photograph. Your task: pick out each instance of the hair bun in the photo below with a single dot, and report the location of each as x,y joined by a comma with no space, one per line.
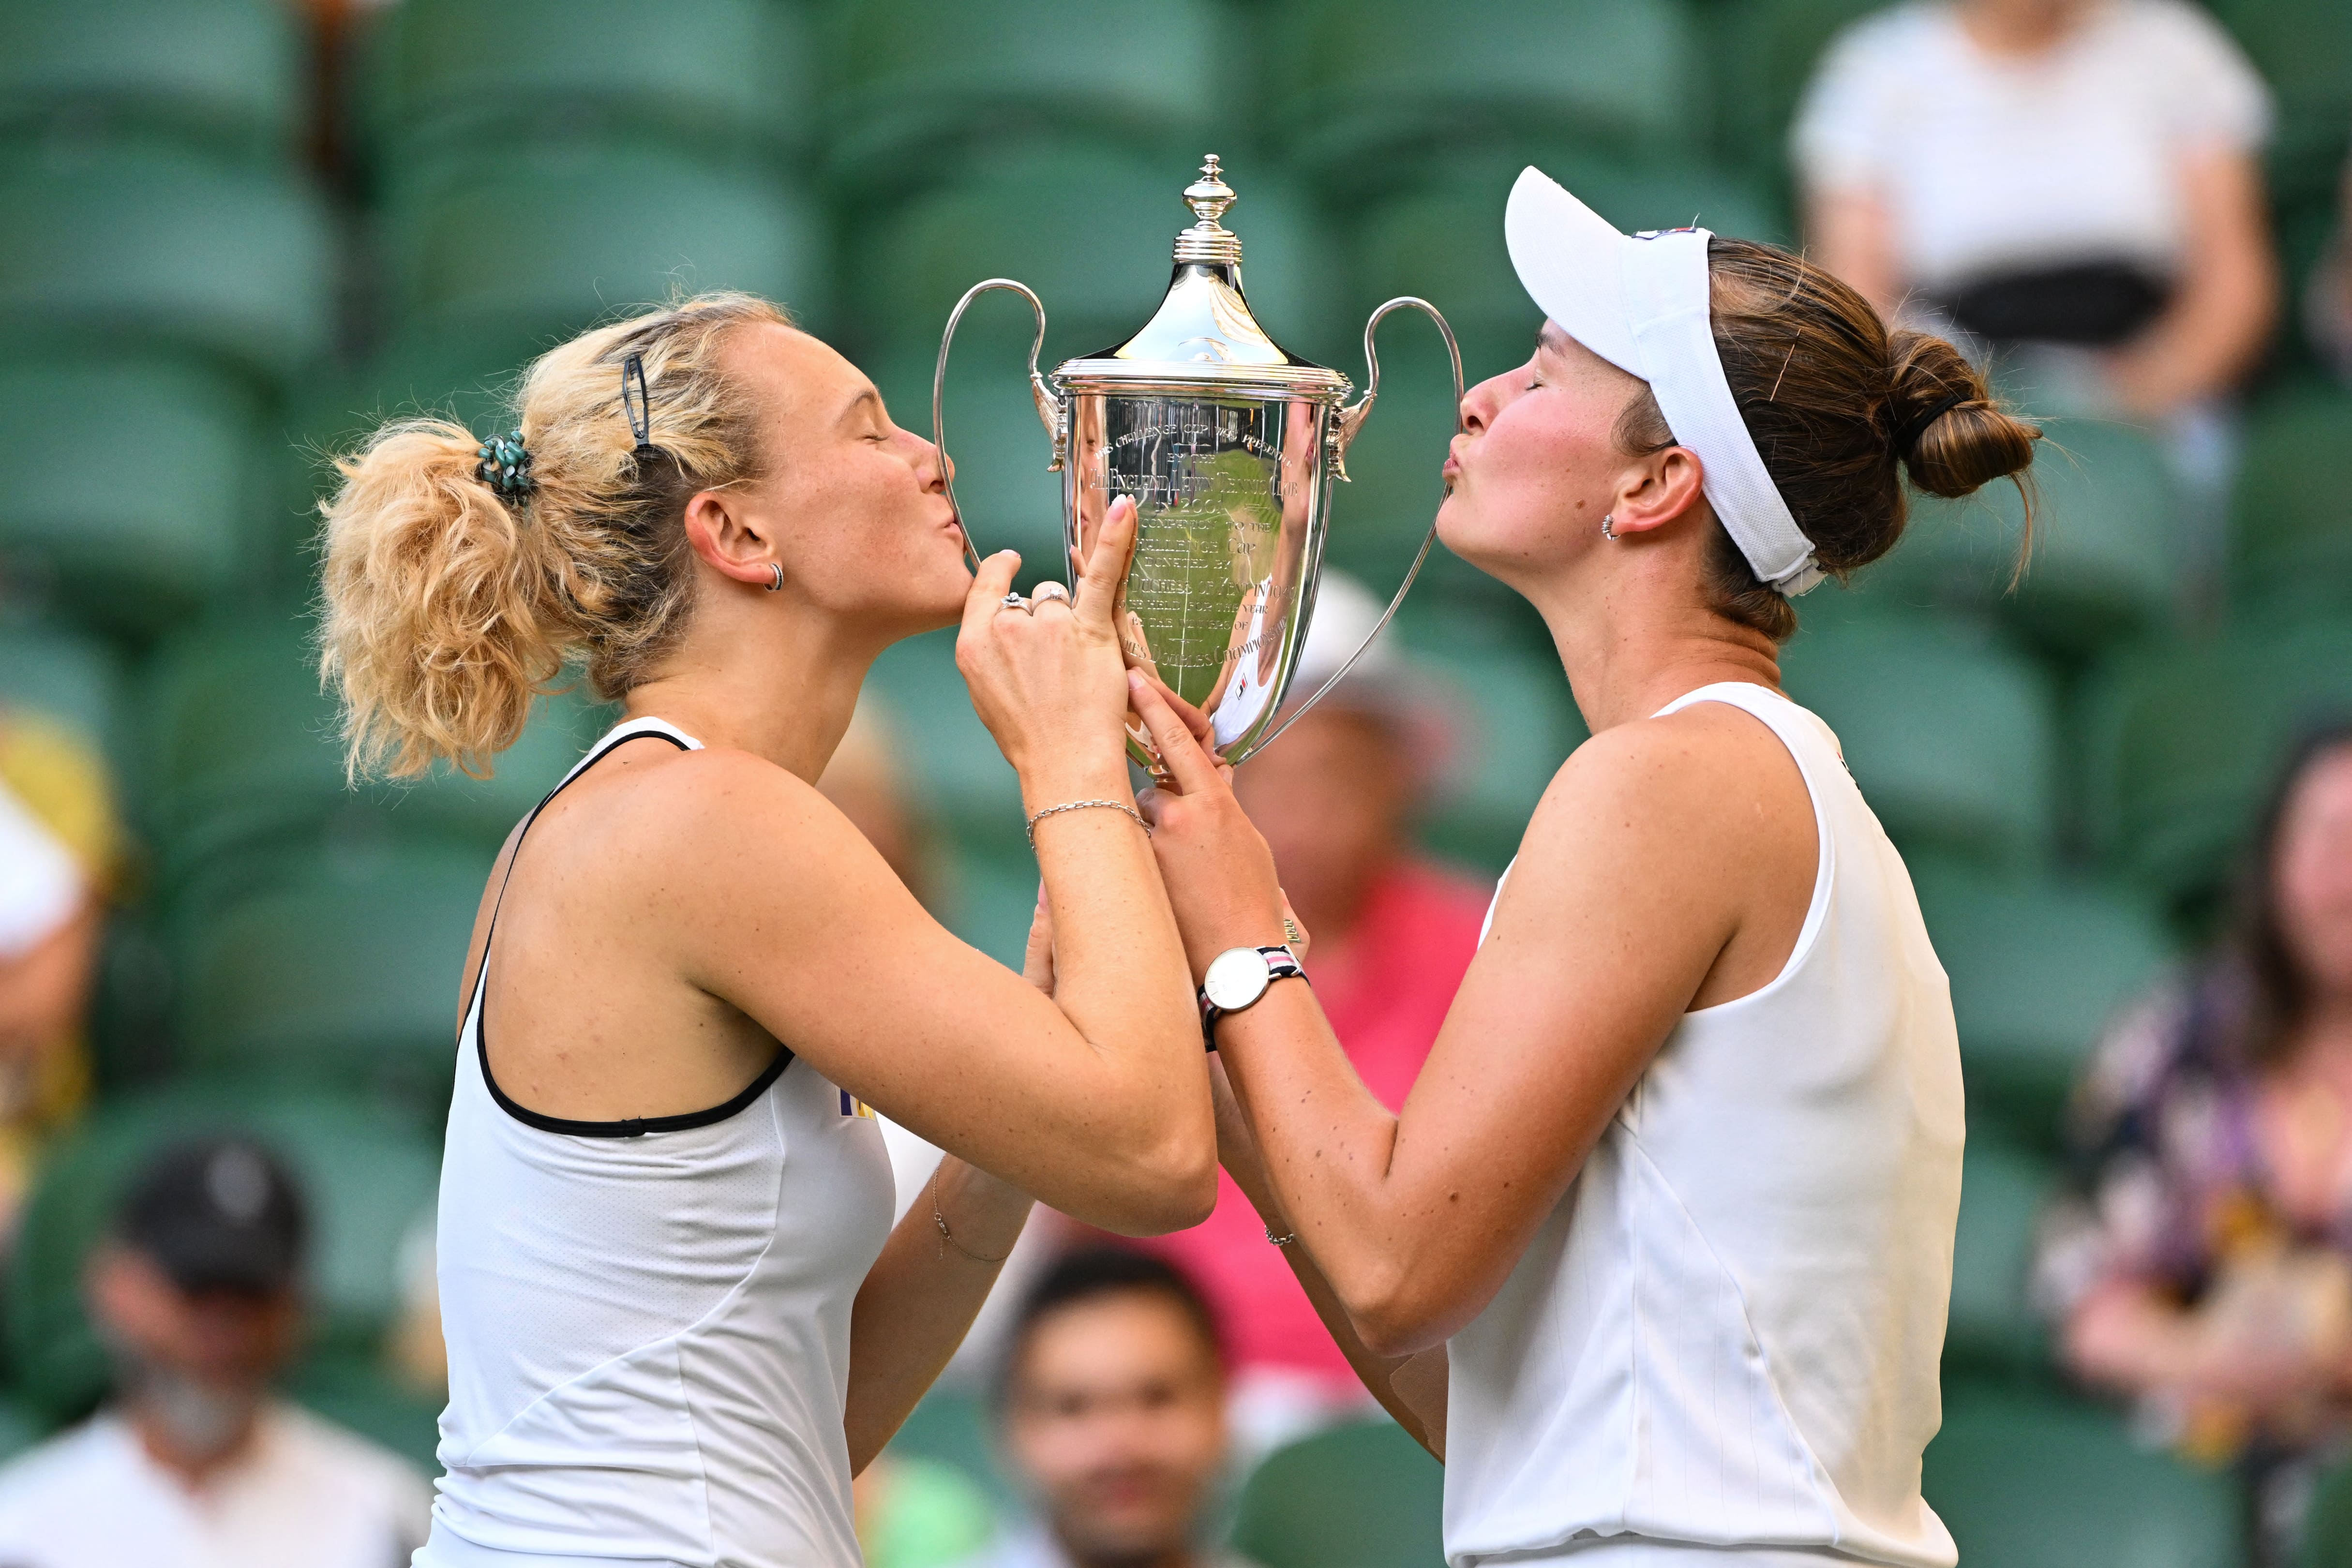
1950,433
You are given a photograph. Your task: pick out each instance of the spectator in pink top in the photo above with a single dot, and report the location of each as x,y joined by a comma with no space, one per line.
1392,935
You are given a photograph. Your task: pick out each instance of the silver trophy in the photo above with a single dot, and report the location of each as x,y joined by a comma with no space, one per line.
1229,445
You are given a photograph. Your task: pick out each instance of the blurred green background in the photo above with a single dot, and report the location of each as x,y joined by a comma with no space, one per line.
239,233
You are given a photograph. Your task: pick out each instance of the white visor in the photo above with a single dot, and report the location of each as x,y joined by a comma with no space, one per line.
1640,301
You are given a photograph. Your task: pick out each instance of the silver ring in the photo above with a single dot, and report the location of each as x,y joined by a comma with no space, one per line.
1015,601
1052,590
776,585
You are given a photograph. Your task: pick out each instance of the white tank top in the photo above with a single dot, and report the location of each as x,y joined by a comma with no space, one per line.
1728,1333
648,1321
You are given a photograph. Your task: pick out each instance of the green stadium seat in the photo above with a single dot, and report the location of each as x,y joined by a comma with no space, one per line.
2039,969
145,536
716,77
1363,1495
928,87
241,751
1383,83
1765,54
370,1183
66,679
2304,50
1091,231
1993,1329
150,246
1091,228
555,239
226,74
1514,725
1948,733
337,971
2328,1528
2038,1480
2181,740
2291,517
2107,547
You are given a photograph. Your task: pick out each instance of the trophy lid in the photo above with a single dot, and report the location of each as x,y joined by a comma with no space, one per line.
1203,339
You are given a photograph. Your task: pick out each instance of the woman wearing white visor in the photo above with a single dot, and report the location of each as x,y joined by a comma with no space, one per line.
1658,1252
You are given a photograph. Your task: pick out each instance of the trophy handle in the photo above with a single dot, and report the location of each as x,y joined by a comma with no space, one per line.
1344,430
1049,407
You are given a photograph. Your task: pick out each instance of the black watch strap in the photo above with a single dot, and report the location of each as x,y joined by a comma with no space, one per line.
1281,964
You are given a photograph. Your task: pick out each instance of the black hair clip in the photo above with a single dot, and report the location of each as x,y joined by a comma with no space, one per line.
505,466
640,410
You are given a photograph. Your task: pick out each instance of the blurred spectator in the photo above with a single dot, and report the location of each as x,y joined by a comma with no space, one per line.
2076,178
1391,937
2206,1267
1112,1404
197,1295
2327,303
58,847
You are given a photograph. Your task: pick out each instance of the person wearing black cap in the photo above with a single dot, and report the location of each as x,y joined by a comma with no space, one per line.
196,1292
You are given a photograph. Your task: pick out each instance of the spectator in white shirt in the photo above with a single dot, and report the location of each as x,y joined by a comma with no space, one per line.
197,1295
2072,175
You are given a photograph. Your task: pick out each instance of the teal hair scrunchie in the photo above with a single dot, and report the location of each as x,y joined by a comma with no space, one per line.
505,466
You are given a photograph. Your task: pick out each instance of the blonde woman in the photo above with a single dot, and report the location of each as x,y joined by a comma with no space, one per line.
678,1318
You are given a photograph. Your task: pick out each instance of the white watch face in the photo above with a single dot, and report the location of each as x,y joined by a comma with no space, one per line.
1236,977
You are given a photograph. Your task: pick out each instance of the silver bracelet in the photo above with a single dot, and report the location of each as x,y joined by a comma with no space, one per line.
1039,816
1280,1240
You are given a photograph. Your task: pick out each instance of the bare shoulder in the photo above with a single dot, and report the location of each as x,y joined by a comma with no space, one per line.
718,798
1690,837
1706,770
683,827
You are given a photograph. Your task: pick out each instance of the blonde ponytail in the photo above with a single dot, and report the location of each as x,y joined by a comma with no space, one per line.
447,608
439,620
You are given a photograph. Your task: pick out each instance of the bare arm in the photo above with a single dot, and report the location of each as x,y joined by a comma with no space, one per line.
1850,234
1412,1388
1669,866
921,1297
755,912
2228,295
1093,1099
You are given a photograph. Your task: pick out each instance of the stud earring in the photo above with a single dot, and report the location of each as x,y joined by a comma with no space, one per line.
776,567
1608,525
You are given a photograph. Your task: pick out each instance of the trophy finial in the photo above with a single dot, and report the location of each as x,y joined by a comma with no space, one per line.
1209,196
1208,239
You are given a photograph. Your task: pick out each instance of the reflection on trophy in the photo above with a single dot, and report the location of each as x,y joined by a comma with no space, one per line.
1228,444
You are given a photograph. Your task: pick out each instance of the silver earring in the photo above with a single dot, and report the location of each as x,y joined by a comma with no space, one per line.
777,568
1608,525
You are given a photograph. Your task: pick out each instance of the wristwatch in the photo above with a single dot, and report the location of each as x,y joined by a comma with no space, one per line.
1238,978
